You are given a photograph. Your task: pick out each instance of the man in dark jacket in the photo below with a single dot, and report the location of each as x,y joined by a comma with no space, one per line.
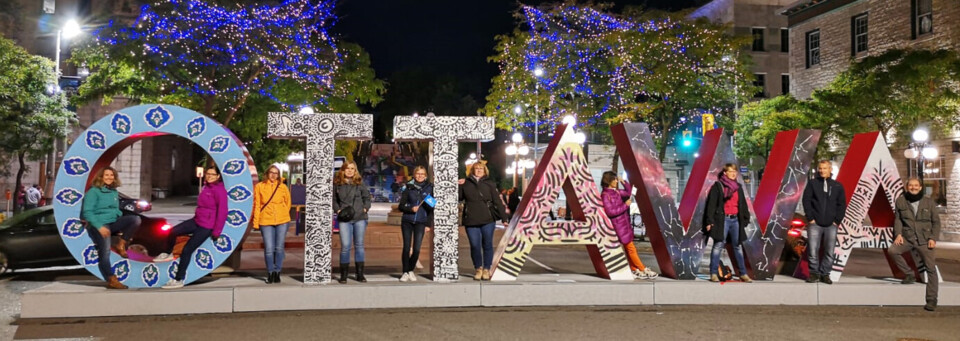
917,227
825,204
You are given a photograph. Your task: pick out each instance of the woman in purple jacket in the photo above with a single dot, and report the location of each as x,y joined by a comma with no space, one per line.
616,203
207,222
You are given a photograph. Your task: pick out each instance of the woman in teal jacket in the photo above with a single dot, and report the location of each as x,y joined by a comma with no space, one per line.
101,210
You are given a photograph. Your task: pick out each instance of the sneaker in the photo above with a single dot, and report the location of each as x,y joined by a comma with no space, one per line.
413,276
163,257
173,284
746,279
813,278
714,278
910,279
650,274
637,274
405,277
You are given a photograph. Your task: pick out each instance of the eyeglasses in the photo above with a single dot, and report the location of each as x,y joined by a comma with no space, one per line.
273,172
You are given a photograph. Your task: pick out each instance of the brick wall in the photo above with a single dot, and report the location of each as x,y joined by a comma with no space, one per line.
889,28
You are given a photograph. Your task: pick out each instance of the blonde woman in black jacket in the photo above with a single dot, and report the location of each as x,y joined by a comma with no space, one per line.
482,208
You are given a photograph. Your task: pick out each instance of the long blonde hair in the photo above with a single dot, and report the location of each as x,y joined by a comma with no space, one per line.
98,179
340,179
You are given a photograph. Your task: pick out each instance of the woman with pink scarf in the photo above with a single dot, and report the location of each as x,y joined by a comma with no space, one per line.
724,219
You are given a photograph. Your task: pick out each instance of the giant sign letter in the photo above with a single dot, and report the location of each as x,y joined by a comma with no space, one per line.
563,166
321,132
675,233
445,132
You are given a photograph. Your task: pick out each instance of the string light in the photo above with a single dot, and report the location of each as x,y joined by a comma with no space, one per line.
219,50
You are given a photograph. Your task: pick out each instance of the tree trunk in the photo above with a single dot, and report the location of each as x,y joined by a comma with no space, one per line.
616,158
662,153
19,182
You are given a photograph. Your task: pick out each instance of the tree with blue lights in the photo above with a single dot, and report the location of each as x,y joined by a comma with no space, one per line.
222,59
604,68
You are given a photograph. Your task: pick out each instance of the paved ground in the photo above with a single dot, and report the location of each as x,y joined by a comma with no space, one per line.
733,323
543,323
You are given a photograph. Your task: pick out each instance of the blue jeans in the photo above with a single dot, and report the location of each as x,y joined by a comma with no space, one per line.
127,226
198,235
351,234
816,234
481,244
731,231
274,237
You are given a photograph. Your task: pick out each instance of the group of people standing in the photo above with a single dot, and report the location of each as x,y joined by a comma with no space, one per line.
917,224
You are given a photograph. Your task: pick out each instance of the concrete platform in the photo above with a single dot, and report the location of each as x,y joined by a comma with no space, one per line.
246,294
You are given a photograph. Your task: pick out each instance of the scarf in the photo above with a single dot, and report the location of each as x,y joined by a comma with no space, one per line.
913,197
730,186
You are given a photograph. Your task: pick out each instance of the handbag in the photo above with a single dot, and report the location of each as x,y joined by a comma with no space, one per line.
346,213
494,213
724,272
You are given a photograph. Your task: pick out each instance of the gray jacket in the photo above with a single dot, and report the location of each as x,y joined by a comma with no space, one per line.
357,196
919,227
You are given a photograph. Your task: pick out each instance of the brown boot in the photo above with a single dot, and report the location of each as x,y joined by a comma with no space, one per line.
121,248
113,283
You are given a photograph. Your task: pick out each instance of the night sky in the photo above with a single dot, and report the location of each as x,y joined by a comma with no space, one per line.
452,37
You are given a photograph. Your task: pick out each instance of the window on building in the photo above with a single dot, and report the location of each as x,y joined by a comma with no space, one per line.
813,48
784,40
858,32
921,19
760,82
784,84
757,38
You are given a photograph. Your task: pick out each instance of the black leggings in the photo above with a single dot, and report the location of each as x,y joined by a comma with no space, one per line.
414,232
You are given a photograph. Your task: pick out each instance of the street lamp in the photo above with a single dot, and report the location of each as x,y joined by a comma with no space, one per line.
306,110
69,30
516,149
921,150
537,72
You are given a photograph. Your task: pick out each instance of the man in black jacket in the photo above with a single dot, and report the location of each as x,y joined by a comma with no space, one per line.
825,204
917,227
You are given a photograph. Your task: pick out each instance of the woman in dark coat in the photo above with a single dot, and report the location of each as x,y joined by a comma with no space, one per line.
482,208
417,213
349,191
725,217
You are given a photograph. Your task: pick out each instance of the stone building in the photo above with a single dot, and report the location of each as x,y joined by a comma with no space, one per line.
769,50
826,36
164,162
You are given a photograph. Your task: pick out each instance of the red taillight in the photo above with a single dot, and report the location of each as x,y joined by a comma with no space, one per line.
794,232
797,222
165,227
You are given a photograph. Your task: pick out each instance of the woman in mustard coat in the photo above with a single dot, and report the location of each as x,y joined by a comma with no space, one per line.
271,213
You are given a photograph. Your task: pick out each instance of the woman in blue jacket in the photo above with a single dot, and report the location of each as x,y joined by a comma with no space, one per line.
101,210
416,214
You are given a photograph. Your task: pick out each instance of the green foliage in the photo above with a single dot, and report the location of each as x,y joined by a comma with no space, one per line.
31,119
894,93
123,70
680,69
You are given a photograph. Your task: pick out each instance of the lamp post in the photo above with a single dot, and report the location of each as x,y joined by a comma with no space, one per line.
69,30
537,73
517,148
921,150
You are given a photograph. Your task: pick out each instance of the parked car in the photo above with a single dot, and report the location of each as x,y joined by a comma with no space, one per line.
134,205
31,240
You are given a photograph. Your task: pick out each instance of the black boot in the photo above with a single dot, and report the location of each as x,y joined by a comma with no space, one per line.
269,278
344,269
813,278
360,277
931,305
276,277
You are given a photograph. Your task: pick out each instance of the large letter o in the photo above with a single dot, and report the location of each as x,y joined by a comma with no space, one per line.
113,133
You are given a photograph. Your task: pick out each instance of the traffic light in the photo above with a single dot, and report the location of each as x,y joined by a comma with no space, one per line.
686,139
